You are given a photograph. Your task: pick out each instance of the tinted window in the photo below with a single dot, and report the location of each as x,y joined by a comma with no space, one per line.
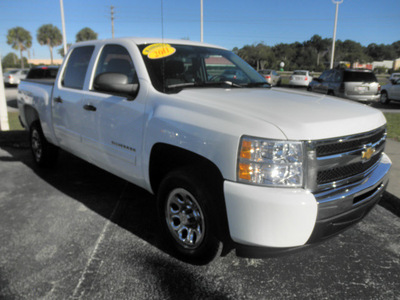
116,59
325,74
42,73
350,76
299,73
75,72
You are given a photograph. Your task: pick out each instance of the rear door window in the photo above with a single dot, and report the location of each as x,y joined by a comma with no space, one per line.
77,65
359,77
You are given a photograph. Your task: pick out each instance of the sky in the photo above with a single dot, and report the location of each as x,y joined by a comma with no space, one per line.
226,23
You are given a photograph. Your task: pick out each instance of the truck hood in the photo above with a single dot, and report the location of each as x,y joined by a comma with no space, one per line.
299,115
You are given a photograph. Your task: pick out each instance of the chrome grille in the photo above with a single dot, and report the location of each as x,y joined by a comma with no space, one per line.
337,162
348,145
341,173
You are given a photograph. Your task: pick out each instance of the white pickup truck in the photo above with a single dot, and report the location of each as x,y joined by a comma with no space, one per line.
234,163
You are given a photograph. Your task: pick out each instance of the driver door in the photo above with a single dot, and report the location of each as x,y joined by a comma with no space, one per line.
114,122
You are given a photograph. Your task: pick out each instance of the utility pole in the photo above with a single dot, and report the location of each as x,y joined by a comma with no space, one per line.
201,21
4,126
337,2
112,21
63,27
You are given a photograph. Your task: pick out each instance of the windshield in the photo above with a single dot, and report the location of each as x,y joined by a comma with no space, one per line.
175,67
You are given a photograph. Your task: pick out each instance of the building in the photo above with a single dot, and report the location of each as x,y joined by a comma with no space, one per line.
38,61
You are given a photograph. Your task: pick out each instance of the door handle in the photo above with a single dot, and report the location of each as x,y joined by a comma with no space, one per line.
58,99
89,107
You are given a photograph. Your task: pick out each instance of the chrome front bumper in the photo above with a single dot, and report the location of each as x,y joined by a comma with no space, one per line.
339,208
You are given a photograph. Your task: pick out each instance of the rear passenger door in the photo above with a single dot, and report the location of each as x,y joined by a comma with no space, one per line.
67,99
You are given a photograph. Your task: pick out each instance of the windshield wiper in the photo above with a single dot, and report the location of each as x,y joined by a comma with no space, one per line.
203,84
256,84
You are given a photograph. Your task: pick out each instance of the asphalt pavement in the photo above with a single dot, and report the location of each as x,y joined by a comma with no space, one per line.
78,232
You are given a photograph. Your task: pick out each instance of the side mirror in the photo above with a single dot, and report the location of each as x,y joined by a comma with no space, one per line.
393,81
115,83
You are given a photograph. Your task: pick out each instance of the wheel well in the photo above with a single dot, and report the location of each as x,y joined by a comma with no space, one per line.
31,115
164,158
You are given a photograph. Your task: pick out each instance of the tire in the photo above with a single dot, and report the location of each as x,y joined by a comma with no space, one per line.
384,99
331,93
44,154
187,221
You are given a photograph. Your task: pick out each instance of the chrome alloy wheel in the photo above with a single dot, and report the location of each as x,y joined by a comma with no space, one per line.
185,219
36,143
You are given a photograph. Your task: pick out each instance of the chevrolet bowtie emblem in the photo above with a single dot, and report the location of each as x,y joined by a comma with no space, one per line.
367,154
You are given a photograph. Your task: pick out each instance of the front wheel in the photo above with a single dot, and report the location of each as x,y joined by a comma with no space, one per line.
44,154
184,208
384,98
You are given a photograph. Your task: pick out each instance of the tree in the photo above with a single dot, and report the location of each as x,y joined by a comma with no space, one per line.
10,61
19,39
61,50
320,45
351,51
49,35
86,34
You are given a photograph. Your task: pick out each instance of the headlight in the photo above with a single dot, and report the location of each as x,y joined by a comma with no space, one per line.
270,162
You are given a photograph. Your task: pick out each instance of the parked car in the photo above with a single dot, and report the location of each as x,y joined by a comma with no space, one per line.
393,77
390,92
271,76
300,78
358,85
43,72
14,77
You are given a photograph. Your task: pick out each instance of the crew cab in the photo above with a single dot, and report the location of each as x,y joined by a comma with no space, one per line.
233,162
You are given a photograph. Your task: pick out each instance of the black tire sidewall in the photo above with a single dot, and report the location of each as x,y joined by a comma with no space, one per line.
387,98
208,248
49,152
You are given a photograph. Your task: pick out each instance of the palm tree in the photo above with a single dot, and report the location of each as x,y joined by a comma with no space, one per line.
49,35
19,39
86,34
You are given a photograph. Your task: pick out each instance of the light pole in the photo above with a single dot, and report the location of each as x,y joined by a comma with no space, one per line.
63,27
4,126
201,20
337,2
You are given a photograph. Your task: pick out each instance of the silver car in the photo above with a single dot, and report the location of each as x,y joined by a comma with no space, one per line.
14,77
300,78
358,85
271,76
390,92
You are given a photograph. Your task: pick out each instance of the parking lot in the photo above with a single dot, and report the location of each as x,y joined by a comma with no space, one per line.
79,232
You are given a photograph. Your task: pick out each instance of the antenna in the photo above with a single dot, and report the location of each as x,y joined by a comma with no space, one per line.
162,41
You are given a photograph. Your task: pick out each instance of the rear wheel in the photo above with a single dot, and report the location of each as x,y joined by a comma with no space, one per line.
184,208
44,153
384,98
